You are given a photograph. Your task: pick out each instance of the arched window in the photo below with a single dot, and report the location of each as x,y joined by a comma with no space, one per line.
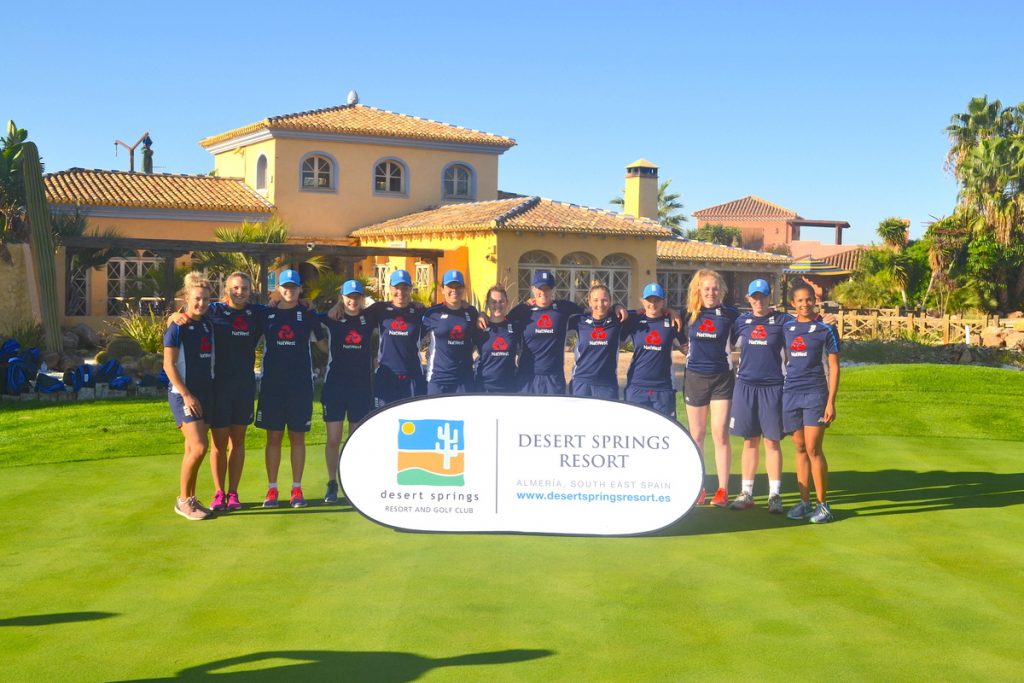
317,172
577,258
261,172
458,182
529,263
617,269
389,177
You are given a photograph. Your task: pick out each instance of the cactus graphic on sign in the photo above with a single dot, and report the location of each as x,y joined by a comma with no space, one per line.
431,453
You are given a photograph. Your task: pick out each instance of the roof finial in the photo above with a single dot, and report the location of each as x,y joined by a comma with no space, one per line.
353,97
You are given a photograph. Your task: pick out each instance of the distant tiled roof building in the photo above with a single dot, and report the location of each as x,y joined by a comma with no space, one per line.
97,188
762,223
749,207
360,120
846,260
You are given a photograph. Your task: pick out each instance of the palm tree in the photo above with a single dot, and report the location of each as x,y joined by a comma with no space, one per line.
668,208
272,231
893,232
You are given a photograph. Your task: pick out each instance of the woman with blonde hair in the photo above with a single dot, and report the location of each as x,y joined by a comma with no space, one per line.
708,382
188,362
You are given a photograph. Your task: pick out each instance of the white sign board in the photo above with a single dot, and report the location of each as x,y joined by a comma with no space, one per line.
527,464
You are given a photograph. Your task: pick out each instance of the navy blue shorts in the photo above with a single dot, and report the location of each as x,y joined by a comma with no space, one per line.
484,387
351,399
757,411
389,387
803,409
700,389
595,390
177,404
441,388
294,411
232,404
662,400
542,385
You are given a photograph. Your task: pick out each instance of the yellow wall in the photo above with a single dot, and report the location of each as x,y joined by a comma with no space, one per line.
642,253
18,296
353,205
464,252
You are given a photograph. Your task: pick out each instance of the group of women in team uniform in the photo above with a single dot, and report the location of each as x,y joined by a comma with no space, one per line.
781,387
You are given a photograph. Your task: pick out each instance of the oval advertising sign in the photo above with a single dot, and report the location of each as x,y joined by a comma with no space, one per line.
526,464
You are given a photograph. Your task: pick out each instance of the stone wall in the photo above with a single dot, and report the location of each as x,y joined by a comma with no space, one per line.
19,301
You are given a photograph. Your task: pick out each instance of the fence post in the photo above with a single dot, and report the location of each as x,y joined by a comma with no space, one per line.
945,329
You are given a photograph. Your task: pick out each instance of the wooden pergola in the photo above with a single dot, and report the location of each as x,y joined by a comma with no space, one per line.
265,253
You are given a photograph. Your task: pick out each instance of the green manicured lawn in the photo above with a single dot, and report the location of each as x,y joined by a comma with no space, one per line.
919,579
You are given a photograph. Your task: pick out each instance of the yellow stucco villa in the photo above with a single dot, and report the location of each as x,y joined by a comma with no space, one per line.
354,175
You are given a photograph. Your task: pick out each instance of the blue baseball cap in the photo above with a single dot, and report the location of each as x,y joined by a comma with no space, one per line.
401,277
654,289
453,276
352,287
543,278
759,286
289,277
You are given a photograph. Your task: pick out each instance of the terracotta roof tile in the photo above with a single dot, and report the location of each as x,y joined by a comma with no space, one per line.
519,214
152,191
706,252
358,119
749,207
846,260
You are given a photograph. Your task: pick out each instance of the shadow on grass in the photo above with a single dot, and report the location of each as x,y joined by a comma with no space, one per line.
867,494
322,665
58,618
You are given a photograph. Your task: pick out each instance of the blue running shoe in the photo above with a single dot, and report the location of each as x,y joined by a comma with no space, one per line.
801,510
822,515
331,497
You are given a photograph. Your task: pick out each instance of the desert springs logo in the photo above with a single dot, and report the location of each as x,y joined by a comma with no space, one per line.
431,453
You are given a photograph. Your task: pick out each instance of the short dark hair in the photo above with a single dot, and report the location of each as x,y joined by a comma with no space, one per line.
797,286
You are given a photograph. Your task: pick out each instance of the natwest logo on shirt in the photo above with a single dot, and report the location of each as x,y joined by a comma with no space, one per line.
707,329
239,327
456,336
205,347
399,327
653,338
545,325
499,344
353,340
799,346
286,336
759,333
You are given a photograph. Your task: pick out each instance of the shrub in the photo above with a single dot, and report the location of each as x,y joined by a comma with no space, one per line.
145,329
27,333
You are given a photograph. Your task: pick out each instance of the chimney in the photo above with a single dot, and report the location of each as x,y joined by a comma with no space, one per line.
641,198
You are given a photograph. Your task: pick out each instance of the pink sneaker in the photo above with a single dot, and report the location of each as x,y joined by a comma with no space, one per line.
218,504
233,503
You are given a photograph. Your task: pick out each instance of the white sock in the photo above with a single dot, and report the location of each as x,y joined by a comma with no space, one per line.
296,484
774,486
272,485
748,486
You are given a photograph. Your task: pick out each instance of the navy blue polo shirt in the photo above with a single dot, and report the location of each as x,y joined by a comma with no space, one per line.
761,343
544,331
708,334
651,366
399,336
349,349
497,347
287,361
596,349
236,332
807,348
194,341
450,335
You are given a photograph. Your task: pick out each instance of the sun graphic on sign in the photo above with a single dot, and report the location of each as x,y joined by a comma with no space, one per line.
409,428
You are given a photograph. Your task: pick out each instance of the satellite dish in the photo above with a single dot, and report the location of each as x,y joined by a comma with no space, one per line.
353,97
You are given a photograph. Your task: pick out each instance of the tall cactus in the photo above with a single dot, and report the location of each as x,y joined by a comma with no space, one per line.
41,241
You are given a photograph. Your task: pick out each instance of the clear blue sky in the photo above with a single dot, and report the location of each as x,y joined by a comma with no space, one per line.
835,111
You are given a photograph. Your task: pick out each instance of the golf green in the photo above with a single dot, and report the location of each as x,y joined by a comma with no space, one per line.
918,579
